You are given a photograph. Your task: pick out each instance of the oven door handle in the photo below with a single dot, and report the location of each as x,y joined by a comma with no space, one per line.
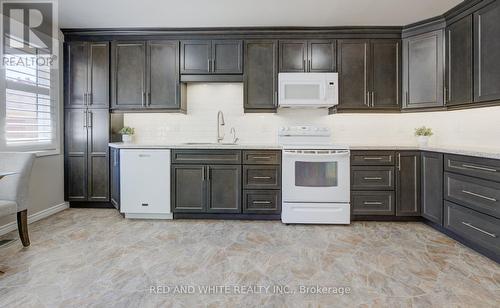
316,154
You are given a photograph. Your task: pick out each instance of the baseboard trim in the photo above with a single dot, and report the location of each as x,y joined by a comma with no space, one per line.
11,226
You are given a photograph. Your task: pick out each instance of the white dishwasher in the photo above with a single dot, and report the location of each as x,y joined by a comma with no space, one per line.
145,184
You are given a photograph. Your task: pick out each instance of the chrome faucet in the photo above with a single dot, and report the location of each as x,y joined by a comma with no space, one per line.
220,122
233,134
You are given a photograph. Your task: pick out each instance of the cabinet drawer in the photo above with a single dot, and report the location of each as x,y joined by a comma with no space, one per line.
261,177
488,169
372,158
372,203
480,195
262,201
232,157
482,230
372,178
262,157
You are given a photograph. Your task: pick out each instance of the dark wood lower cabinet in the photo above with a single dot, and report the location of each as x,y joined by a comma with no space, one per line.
201,189
432,187
408,184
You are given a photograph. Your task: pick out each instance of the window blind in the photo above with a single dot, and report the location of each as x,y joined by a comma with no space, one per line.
30,113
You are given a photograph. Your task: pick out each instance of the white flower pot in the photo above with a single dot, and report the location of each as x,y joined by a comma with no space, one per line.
423,141
127,138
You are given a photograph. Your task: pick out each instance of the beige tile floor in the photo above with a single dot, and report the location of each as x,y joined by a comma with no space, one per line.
87,257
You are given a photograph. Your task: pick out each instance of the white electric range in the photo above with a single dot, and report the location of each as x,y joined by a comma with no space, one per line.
315,177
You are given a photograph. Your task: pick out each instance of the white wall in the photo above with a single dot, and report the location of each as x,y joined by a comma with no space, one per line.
479,128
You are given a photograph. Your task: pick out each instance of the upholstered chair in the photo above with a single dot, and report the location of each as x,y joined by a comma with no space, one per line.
14,189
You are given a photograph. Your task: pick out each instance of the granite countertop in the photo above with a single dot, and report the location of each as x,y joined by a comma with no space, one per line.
467,151
201,145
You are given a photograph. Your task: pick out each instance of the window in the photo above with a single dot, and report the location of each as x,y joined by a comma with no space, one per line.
31,114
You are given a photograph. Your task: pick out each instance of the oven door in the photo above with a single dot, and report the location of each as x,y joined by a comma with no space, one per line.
316,176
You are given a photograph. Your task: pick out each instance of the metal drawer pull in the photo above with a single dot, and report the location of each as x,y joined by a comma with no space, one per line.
478,229
479,168
373,158
372,203
478,195
374,178
262,157
261,202
262,177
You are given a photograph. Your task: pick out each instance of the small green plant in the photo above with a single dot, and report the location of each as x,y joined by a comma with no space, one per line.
423,131
127,131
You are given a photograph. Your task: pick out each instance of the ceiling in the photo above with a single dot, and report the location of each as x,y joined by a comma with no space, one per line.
246,13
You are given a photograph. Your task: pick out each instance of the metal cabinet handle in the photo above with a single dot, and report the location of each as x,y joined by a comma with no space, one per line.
143,97
149,98
373,98
85,119
208,64
262,157
213,65
262,177
90,124
372,203
478,195
372,178
261,202
479,229
479,168
399,161
372,158
275,98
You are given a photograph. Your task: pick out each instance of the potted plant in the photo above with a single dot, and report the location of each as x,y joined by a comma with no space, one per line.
127,133
423,133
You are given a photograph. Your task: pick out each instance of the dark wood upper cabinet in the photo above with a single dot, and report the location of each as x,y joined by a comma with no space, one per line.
307,56
227,57
200,57
487,53
385,86
146,76
87,75
408,184
353,63
129,75
163,75
423,70
196,57
458,89
432,186
293,56
260,78
224,189
322,55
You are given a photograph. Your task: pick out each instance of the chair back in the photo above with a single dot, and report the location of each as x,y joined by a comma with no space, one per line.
15,187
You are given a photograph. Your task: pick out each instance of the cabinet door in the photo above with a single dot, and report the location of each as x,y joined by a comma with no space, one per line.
129,65
261,71
98,159
423,70
115,177
75,76
353,62
487,53
98,82
224,189
293,56
227,57
459,62
188,188
196,57
75,147
322,56
163,75
408,184
432,187
385,74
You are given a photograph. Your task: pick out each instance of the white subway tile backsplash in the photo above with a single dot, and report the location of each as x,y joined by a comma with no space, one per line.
471,128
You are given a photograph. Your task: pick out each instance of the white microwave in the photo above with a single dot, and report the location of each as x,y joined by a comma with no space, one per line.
308,90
